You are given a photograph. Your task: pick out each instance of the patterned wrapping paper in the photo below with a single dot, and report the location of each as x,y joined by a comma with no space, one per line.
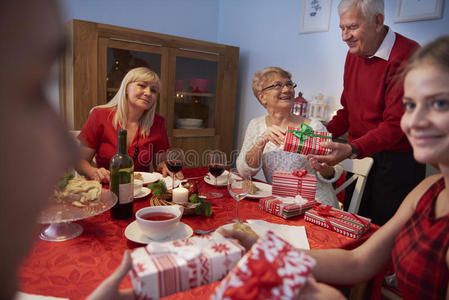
343,222
287,184
305,141
284,207
272,269
161,269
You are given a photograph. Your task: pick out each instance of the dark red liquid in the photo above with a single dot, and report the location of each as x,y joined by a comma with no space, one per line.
216,169
174,166
157,216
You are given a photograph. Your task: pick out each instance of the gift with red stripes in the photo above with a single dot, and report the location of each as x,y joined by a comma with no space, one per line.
340,221
290,184
161,269
286,207
305,141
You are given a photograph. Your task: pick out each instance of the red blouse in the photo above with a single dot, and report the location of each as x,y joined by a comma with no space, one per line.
99,133
419,254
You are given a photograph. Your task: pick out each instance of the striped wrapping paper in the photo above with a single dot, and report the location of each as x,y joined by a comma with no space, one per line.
283,207
309,143
286,184
343,222
161,269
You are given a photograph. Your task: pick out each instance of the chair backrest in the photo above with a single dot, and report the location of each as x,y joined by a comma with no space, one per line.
360,169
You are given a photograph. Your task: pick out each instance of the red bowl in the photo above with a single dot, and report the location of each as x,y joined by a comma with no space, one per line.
199,85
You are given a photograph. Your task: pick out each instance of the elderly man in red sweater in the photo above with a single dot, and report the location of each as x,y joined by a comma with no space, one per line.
372,108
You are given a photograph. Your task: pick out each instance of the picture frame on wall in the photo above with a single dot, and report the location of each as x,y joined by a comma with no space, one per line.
418,10
315,16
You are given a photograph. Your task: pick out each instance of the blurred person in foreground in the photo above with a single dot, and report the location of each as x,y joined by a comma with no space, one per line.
275,90
416,238
133,108
37,148
372,108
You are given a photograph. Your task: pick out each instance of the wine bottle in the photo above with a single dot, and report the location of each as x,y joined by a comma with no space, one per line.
122,179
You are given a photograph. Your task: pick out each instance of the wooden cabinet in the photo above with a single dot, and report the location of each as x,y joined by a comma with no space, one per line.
197,118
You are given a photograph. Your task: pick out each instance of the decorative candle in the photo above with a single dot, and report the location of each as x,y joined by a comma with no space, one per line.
180,194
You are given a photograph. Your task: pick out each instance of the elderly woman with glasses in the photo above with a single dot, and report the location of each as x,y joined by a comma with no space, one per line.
275,90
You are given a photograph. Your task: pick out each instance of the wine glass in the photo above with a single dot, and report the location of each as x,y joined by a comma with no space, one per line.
175,157
216,162
239,184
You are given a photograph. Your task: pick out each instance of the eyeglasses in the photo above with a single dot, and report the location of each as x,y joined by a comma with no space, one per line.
278,86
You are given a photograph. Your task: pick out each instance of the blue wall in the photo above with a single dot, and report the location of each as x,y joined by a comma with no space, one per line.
266,31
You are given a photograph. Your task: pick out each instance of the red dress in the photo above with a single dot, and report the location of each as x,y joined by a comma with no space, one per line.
419,254
98,133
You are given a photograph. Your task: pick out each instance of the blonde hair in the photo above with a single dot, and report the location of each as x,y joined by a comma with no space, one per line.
120,101
261,76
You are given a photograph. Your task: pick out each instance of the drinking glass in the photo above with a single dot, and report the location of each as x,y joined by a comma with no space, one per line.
175,158
239,184
216,162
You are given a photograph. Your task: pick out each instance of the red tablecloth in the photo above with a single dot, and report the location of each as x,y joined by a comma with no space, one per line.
73,268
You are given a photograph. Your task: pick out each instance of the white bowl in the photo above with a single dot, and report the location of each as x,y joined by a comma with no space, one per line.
159,230
138,184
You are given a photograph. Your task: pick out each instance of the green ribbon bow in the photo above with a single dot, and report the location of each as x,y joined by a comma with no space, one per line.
304,133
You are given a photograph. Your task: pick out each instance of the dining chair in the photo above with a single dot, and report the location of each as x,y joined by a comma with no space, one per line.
360,169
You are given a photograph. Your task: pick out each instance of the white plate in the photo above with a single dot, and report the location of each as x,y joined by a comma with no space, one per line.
149,177
142,193
168,182
264,190
133,233
222,180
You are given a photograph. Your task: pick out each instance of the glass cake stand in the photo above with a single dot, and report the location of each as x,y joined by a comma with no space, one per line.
61,215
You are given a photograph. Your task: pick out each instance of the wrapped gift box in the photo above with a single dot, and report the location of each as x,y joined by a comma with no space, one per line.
286,207
290,184
272,269
161,269
343,222
305,141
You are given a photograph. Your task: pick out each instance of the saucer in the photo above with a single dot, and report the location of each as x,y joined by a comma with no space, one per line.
133,233
142,193
264,190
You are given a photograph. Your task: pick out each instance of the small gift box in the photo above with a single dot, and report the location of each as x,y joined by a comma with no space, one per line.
272,269
343,222
286,207
286,184
161,269
305,141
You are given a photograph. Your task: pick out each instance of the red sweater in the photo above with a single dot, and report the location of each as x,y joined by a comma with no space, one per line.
372,101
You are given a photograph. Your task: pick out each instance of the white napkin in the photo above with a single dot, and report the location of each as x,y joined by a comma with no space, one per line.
295,235
24,296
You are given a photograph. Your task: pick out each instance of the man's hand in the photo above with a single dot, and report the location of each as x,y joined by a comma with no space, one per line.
162,167
108,289
339,152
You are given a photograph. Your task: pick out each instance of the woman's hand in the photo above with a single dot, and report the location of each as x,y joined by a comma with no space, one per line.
108,289
323,168
162,167
274,134
314,290
247,240
101,175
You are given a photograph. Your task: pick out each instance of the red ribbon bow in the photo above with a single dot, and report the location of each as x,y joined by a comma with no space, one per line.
301,173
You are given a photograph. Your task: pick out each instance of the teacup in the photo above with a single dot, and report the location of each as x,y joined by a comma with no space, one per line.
137,186
159,222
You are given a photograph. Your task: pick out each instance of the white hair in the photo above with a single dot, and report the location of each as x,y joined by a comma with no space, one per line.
369,8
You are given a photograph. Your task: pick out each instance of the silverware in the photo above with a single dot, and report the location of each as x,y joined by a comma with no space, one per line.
201,232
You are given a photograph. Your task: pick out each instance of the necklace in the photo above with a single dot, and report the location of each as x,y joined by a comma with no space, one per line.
136,151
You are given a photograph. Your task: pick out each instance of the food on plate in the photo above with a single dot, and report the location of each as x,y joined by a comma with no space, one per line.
78,191
252,189
239,226
138,176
